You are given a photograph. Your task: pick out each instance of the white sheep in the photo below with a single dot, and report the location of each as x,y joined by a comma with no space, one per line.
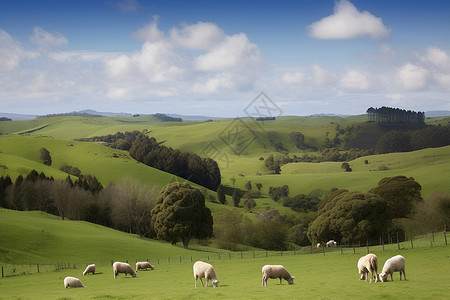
331,243
89,269
366,264
72,282
205,270
393,264
276,271
120,267
143,265
319,245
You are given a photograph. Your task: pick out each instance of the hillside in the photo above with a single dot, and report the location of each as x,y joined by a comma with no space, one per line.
45,239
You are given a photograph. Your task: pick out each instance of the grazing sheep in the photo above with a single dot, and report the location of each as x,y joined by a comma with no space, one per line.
366,264
276,271
72,282
89,269
205,270
331,243
393,264
143,265
120,267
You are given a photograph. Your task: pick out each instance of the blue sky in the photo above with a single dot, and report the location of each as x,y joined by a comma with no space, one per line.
214,57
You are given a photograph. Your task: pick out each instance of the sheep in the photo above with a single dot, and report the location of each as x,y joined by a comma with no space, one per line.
205,270
331,243
89,269
319,245
393,264
72,282
366,264
143,265
276,271
120,267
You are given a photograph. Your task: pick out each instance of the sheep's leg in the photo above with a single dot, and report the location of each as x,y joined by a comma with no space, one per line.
280,280
201,281
195,277
392,279
206,282
404,274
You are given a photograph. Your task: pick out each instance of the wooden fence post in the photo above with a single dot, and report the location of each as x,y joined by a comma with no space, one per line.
38,267
412,246
445,234
398,243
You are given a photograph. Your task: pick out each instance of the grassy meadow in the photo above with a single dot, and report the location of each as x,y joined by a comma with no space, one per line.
41,238
30,238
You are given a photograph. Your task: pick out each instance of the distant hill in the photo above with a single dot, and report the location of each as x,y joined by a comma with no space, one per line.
437,113
103,113
17,117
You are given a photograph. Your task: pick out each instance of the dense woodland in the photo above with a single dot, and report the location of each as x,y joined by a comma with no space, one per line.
389,115
147,150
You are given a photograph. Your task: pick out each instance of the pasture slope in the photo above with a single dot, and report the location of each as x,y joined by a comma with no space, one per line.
333,276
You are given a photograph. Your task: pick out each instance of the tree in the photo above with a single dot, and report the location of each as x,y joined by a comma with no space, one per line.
259,186
400,192
350,217
236,198
346,167
297,138
248,186
249,202
221,195
180,214
45,156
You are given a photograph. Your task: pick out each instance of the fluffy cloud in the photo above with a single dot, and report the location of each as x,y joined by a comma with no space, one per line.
47,41
199,36
293,78
354,80
347,23
11,52
321,76
412,77
233,53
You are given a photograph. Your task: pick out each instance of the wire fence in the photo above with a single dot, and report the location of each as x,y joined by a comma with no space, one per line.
388,244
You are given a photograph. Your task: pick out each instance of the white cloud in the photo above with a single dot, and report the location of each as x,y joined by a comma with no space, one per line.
149,32
293,78
347,23
127,5
354,80
219,83
233,53
47,41
11,52
321,76
200,36
412,77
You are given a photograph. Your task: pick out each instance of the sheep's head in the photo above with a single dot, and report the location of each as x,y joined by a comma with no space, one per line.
134,274
215,283
291,280
383,277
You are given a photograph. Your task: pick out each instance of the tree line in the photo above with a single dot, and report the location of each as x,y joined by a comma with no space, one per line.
176,213
145,149
389,115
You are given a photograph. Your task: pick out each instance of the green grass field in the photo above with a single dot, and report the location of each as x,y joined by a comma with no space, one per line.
41,238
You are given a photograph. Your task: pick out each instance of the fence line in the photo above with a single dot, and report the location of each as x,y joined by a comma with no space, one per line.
424,241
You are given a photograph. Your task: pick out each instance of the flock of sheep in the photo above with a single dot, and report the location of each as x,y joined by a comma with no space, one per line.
366,264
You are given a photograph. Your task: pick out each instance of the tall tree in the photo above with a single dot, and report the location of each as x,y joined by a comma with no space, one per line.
180,214
45,156
236,198
221,195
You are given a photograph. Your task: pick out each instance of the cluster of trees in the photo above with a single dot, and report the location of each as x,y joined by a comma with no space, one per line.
350,217
72,114
166,118
328,154
391,115
190,166
300,203
177,213
404,141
